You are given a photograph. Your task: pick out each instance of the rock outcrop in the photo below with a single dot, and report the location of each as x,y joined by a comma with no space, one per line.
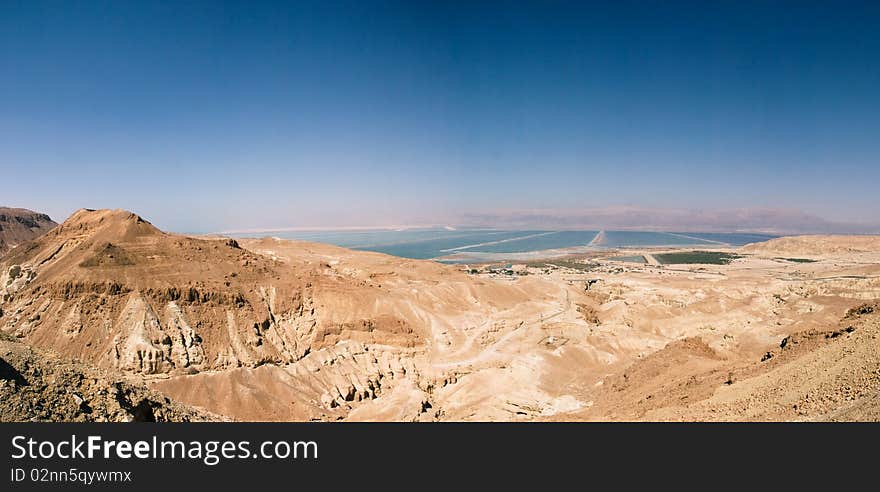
38,386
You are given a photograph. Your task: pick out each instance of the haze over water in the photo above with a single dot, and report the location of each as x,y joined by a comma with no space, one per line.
475,243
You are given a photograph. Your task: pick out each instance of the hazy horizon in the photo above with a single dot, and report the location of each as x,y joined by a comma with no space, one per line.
622,218
763,221
210,117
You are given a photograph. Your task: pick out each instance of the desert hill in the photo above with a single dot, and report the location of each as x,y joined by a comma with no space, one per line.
19,225
109,287
816,245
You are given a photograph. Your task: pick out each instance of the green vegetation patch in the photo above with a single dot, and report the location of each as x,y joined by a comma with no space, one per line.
798,260
573,265
696,257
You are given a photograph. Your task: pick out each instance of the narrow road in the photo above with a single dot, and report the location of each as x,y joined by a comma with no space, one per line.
651,260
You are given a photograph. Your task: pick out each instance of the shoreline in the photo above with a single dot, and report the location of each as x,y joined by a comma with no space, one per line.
574,251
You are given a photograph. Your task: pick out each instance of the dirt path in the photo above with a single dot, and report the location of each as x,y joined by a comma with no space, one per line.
494,349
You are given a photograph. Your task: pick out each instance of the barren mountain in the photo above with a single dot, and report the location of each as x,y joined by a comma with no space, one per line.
110,287
268,329
18,225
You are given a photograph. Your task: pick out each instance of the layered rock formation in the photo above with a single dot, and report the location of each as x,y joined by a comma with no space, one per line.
109,287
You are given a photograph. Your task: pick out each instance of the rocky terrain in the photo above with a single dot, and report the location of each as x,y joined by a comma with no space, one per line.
36,386
268,329
18,225
833,374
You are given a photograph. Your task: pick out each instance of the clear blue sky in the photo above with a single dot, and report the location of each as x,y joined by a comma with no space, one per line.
210,116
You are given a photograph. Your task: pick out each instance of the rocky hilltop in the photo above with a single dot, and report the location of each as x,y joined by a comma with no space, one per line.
111,288
19,225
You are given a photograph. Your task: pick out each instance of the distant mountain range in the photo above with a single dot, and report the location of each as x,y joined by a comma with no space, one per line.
763,220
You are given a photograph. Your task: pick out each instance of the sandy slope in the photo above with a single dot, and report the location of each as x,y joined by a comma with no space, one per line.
816,245
811,375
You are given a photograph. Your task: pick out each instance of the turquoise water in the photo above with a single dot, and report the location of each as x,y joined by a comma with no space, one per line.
733,239
538,241
624,239
621,239
438,243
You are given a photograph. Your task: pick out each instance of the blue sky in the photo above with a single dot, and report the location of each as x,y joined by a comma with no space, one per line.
214,116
